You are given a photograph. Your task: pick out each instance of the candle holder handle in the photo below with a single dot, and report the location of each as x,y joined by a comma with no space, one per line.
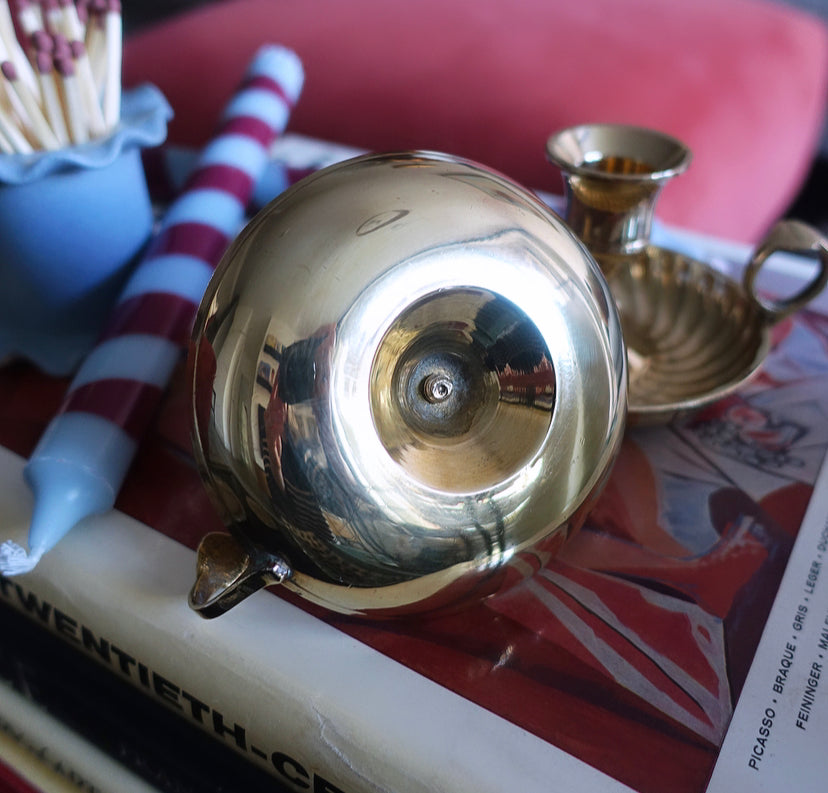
791,236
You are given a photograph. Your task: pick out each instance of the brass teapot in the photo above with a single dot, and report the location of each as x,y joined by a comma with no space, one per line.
406,372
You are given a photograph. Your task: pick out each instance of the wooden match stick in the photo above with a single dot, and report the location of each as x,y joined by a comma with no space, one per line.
5,145
52,16
36,123
10,128
89,94
51,97
72,26
73,103
11,47
29,17
114,44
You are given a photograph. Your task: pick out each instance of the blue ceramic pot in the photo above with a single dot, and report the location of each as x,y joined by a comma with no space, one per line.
72,222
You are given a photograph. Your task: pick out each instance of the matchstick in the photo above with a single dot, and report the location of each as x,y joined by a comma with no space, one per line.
70,26
35,121
113,35
66,89
52,16
71,23
5,145
29,17
96,123
10,129
73,103
12,49
96,51
51,98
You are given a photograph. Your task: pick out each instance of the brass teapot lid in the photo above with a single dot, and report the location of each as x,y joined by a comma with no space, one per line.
406,371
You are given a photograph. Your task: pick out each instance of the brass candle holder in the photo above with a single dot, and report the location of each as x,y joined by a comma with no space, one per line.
692,334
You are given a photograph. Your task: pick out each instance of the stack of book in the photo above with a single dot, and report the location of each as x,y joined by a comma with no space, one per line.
677,643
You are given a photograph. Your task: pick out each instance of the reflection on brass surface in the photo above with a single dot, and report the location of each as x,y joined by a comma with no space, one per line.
461,377
405,371
623,166
692,334
613,174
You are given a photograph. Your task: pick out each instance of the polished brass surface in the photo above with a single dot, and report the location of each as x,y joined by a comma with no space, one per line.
406,371
613,174
792,236
692,334
228,570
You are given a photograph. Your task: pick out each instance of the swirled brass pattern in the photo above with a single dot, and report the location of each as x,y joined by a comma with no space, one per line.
692,334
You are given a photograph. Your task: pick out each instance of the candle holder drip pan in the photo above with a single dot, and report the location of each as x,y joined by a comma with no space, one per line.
693,335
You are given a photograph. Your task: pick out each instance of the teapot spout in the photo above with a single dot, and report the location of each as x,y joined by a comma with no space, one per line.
228,571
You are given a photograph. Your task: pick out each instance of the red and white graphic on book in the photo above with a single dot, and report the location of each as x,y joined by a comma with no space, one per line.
630,647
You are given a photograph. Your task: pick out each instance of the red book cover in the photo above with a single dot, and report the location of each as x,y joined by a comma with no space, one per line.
629,650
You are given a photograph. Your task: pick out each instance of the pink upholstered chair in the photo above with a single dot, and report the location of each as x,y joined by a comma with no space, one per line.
742,82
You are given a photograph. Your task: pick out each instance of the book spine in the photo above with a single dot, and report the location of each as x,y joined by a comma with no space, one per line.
317,710
132,730
139,666
54,758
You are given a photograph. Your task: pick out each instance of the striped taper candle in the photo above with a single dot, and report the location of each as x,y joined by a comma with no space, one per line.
80,462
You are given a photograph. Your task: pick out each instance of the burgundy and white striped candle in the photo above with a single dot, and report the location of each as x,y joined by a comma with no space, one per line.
80,463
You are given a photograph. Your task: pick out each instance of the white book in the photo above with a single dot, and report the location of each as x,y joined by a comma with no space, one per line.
643,658
290,691
613,668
